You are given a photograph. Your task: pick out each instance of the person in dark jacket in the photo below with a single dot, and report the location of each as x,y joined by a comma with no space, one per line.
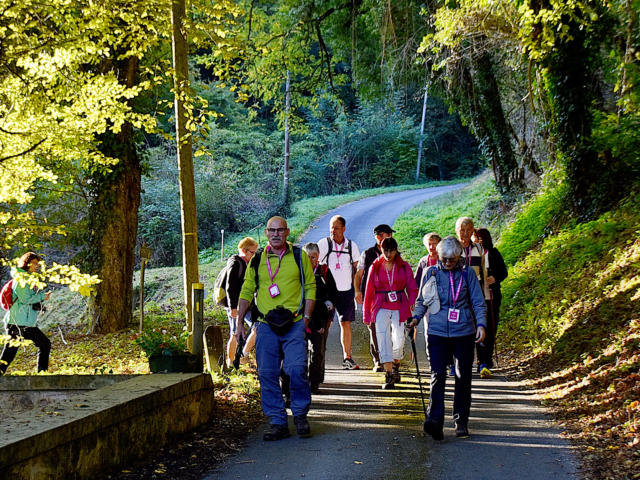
236,268
456,322
326,294
367,258
496,273
21,319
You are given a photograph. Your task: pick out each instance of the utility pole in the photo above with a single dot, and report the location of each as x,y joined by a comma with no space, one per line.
424,114
185,160
285,186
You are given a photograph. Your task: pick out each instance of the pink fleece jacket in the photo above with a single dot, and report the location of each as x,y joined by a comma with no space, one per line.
378,281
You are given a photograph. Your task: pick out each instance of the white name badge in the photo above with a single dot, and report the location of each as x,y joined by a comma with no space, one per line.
392,296
274,291
454,315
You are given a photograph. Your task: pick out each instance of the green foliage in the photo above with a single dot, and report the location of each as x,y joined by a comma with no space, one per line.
575,276
536,220
440,215
160,341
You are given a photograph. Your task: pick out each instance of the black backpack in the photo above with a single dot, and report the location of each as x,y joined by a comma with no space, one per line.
330,246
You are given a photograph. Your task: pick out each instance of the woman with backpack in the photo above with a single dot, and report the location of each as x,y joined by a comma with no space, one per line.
389,295
456,321
232,284
20,321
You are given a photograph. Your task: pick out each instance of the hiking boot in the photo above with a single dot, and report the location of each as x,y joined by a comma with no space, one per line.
389,382
302,426
349,364
276,432
434,429
462,431
396,373
315,388
377,367
485,372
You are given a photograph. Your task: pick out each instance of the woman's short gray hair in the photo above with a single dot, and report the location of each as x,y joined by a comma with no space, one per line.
449,247
311,247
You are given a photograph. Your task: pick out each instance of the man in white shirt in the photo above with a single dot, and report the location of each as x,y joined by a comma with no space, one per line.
341,255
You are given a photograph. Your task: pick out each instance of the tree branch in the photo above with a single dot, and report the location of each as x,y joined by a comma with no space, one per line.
29,150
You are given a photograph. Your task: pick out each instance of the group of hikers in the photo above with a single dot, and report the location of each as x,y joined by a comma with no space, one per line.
289,296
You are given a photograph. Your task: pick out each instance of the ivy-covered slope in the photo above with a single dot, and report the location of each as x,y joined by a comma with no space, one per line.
571,314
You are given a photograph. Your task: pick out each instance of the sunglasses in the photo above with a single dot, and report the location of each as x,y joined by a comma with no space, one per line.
449,259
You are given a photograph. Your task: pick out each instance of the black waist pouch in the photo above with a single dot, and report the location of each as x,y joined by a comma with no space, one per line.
280,320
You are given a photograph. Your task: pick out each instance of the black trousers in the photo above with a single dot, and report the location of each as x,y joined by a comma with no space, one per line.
440,351
34,334
485,351
317,349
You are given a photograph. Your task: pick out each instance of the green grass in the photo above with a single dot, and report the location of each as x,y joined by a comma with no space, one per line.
440,215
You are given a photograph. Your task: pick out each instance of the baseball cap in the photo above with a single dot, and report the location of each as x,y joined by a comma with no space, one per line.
383,228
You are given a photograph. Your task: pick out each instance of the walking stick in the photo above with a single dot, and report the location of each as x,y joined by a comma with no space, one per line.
415,356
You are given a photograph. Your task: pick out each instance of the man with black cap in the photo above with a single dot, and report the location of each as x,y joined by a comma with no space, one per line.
380,232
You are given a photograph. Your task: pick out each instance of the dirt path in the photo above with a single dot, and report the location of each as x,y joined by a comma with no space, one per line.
363,432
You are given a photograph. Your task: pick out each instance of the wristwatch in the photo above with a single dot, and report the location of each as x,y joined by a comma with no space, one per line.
306,317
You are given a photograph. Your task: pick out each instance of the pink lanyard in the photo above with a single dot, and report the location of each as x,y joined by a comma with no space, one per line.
457,294
272,276
390,278
338,252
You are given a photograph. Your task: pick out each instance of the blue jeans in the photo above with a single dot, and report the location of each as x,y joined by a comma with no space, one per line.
290,352
440,351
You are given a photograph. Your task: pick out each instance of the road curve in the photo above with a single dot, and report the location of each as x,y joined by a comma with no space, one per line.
363,215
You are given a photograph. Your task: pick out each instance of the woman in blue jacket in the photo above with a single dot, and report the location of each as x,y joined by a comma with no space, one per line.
21,319
452,330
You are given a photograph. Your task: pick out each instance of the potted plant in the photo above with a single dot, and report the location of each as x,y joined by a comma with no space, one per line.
167,352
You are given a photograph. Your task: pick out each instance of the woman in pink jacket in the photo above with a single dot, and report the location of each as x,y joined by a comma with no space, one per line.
390,294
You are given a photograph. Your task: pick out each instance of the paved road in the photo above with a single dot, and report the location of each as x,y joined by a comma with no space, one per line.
363,432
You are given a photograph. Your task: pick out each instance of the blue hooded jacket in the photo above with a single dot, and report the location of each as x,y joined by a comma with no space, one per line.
470,302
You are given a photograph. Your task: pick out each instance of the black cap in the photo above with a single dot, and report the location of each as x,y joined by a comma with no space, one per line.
383,228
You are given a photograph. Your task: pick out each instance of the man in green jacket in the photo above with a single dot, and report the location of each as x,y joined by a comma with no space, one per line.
285,297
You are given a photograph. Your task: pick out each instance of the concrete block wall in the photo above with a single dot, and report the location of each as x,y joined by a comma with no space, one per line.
94,432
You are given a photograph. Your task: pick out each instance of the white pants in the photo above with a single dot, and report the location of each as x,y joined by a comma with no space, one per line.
390,335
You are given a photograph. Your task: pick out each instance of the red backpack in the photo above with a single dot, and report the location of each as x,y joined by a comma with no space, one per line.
6,295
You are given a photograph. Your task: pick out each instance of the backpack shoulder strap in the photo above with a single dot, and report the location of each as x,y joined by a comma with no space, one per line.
297,255
329,249
255,264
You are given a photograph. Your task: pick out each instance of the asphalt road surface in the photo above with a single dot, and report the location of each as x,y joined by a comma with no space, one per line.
363,432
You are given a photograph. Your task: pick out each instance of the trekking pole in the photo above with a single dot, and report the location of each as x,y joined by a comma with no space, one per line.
415,356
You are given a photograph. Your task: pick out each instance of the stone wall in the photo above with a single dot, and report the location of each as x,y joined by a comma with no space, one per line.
93,432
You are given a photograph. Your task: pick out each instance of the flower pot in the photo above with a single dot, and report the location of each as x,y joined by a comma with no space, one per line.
175,363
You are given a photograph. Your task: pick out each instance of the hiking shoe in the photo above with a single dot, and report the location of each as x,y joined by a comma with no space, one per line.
377,367
315,388
434,429
452,371
396,373
349,364
485,372
302,426
462,431
389,382
276,432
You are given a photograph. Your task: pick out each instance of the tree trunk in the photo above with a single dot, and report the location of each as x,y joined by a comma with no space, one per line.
493,129
185,161
114,226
